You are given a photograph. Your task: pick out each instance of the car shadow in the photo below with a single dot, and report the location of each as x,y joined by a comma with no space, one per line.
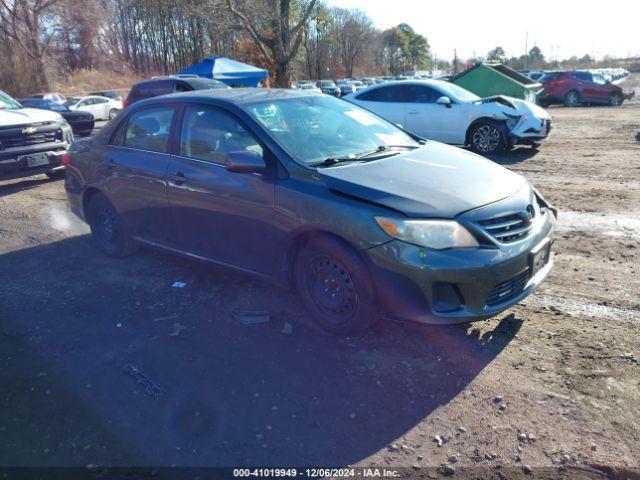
638,137
143,372
516,155
9,187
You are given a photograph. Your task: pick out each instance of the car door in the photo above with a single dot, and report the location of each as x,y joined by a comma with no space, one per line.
601,89
423,116
137,162
220,215
387,101
101,108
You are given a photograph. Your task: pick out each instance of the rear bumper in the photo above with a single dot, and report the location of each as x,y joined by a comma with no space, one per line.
456,286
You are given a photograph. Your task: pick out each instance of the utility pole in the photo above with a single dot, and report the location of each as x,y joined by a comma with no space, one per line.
455,61
526,49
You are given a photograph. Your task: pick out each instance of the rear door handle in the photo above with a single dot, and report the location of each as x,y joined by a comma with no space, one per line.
111,164
413,112
179,178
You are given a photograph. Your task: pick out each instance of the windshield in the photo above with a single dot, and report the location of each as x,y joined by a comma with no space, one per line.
7,103
457,93
327,83
315,128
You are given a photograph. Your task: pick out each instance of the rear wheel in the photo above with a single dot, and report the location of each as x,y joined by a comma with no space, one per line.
335,286
615,100
488,137
113,113
571,99
108,228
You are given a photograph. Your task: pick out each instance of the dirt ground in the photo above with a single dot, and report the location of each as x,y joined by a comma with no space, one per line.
103,362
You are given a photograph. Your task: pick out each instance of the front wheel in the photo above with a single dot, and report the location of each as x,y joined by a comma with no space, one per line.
488,138
335,286
108,229
615,100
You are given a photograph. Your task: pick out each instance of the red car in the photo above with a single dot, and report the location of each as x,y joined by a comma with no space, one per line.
579,87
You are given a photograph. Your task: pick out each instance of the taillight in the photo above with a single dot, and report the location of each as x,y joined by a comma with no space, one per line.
125,103
66,159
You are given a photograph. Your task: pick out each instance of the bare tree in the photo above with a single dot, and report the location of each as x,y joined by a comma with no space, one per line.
23,22
274,30
353,32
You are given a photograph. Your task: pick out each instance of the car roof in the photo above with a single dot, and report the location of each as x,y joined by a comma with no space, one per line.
237,96
427,81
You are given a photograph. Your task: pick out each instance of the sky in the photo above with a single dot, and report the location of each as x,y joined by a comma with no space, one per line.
561,28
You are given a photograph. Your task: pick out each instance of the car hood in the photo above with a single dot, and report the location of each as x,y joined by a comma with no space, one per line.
436,180
509,104
26,116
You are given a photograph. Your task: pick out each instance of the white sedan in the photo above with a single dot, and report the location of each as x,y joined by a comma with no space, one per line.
445,112
100,107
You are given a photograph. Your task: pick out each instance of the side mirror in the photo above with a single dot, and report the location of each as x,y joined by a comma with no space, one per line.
444,100
245,161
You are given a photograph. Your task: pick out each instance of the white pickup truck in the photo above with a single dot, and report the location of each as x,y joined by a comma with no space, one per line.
32,141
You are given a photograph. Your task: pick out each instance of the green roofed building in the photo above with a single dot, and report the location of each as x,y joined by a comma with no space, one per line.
488,79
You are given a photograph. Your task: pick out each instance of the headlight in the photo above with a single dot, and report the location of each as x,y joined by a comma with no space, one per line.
512,120
437,234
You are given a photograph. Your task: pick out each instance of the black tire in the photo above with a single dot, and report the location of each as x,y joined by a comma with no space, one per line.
108,228
56,174
113,113
572,99
335,286
615,100
487,137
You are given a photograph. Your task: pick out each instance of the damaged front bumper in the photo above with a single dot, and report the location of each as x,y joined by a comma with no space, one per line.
530,130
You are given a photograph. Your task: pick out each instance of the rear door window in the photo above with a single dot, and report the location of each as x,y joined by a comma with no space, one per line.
148,129
391,94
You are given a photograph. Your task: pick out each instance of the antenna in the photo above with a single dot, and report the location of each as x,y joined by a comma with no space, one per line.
526,49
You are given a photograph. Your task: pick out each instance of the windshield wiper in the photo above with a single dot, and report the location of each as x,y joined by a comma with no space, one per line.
333,161
329,162
384,148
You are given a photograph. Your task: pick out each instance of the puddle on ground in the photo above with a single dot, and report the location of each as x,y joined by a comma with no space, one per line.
583,308
617,225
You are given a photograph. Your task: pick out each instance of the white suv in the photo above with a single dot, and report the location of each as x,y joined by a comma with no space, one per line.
445,112
31,140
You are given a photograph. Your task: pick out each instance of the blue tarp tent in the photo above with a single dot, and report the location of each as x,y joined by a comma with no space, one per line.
235,74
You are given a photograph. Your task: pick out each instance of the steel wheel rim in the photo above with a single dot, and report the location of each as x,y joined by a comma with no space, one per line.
486,138
107,226
332,289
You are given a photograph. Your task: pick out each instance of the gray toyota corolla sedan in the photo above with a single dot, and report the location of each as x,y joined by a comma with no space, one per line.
363,219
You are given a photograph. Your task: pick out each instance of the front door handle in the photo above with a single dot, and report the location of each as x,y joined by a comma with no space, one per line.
179,178
111,164
413,112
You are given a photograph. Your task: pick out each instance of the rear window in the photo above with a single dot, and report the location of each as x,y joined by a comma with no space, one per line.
551,76
153,89
206,84
384,94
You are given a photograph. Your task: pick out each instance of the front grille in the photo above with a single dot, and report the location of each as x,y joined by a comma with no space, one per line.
508,289
17,139
509,228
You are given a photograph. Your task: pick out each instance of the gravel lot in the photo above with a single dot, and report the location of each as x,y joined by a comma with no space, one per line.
103,362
